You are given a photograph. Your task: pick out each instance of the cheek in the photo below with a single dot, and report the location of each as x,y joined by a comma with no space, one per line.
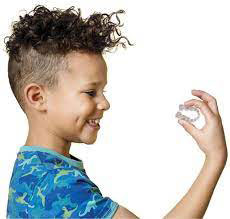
86,107
62,106
60,112
71,109
84,110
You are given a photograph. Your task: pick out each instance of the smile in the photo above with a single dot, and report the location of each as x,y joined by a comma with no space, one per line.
92,125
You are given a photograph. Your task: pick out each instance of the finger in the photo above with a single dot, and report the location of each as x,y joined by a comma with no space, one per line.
209,99
208,114
189,127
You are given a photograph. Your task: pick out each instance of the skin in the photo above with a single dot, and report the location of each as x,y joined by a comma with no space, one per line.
211,140
59,117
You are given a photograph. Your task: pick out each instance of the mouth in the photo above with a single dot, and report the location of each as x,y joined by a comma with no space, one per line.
93,124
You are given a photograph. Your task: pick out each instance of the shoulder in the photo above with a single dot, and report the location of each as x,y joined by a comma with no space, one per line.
70,190
123,212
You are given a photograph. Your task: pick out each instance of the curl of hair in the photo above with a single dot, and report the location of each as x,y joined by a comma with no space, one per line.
62,31
41,39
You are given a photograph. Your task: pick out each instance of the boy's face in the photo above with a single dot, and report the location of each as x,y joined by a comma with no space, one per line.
70,106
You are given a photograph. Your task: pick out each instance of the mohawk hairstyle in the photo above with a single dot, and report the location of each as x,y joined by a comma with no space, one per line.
42,38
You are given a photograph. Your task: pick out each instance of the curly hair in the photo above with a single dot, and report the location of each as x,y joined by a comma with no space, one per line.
42,38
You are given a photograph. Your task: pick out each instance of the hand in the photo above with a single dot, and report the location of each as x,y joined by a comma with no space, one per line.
210,138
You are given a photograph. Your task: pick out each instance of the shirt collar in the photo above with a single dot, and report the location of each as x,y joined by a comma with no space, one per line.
72,161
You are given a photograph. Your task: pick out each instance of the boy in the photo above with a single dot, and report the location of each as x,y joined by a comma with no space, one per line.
57,74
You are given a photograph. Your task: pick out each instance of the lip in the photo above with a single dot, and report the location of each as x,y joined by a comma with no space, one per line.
93,127
96,118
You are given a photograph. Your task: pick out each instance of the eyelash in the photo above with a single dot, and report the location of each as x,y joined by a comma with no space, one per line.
90,92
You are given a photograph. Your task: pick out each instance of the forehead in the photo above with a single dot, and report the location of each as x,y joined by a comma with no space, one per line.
87,68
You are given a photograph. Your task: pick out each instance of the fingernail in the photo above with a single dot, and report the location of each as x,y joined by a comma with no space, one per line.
181,122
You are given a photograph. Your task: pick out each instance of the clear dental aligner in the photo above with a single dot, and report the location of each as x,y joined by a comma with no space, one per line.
182,107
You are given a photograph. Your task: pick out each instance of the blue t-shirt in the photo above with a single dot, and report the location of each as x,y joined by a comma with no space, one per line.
46,184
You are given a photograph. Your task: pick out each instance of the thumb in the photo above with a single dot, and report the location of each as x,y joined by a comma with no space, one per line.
189,127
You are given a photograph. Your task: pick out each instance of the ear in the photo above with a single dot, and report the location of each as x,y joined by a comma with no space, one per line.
35,96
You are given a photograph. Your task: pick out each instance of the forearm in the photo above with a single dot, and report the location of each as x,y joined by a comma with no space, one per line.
196,200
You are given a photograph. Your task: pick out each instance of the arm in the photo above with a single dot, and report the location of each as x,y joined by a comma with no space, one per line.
195,202
211,140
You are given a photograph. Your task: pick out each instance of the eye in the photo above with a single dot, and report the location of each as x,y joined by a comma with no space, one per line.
92,93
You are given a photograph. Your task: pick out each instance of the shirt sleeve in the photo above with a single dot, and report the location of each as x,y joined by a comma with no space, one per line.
70,195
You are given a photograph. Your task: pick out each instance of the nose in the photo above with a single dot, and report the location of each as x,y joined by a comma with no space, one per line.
103,104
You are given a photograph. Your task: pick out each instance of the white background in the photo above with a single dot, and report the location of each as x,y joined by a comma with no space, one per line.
142,159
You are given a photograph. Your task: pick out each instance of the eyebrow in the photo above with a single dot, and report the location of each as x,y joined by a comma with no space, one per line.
94,83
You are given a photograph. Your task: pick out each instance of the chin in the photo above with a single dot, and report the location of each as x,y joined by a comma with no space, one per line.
89,141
